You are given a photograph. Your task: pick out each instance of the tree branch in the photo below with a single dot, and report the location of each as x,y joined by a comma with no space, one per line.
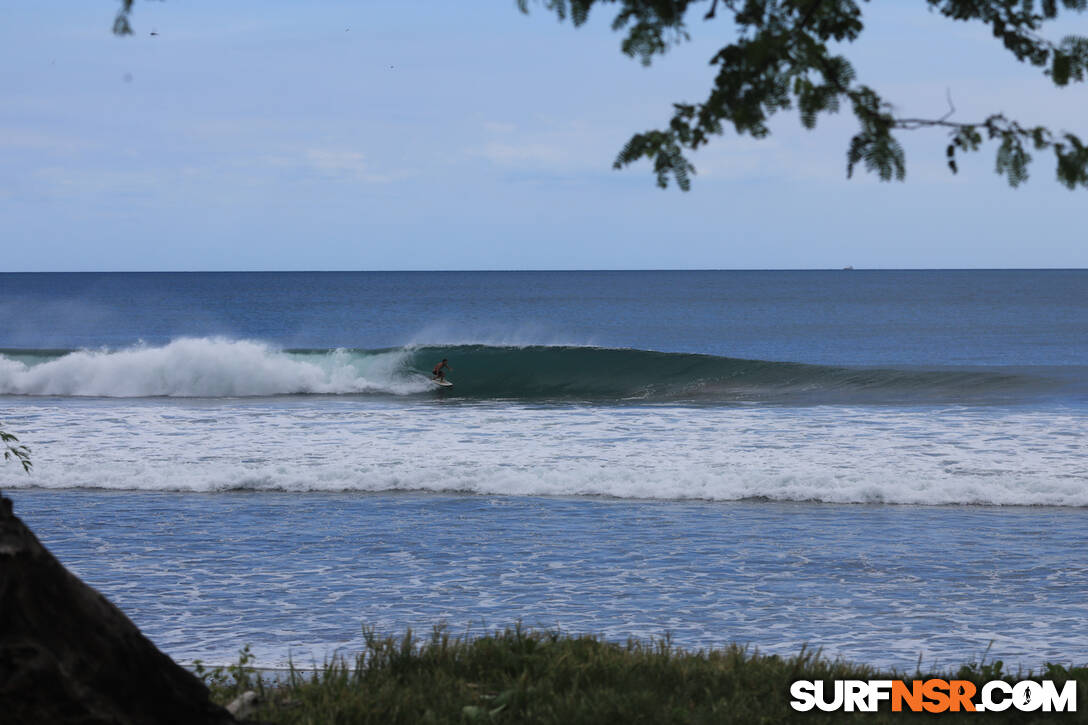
12,449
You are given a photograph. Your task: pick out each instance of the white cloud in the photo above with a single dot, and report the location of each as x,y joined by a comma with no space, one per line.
499,127
18,138
527,153
341,164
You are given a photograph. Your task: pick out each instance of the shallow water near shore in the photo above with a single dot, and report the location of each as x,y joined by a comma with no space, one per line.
297,577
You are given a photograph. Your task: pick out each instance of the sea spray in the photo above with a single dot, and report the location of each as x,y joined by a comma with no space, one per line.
204,367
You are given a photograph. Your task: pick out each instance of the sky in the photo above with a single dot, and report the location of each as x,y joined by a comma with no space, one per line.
276,135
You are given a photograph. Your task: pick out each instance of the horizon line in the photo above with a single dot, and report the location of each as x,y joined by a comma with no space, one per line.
848,268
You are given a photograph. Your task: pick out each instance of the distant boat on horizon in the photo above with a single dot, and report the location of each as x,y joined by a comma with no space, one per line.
848,267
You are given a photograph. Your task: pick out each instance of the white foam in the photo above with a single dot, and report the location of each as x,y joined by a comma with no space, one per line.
829,454
208,367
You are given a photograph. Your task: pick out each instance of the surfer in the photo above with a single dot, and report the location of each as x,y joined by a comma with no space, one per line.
439,372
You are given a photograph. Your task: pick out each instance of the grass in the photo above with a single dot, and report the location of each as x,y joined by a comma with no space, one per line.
523,676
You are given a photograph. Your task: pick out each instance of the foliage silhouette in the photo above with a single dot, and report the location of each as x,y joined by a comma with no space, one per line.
782,58
12,450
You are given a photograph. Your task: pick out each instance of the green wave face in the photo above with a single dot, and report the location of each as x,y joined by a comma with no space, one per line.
33,357
538,372
625,374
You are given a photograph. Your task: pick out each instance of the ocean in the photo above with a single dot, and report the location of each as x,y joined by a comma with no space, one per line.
887,465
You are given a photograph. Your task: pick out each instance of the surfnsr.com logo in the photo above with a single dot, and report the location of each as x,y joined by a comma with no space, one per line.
933,695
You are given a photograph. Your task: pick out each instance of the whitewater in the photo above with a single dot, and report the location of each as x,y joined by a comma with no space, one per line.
853,455
543,420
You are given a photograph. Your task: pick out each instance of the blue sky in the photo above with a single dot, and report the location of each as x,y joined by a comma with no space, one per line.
388,135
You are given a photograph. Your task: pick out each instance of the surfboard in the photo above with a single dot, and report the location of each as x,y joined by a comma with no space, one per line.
442,383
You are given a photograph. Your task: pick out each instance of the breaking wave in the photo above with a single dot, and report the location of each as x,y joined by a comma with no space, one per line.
218,367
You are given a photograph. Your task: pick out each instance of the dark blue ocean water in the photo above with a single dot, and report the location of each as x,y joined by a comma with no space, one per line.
777,458
926,317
